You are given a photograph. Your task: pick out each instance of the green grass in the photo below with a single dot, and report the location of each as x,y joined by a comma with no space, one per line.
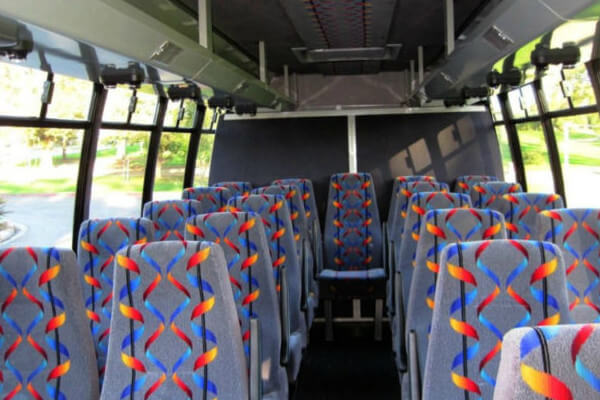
40,186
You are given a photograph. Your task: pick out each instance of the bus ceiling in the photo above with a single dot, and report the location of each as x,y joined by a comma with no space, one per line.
289,54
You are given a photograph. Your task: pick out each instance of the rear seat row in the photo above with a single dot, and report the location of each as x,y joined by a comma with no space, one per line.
174,297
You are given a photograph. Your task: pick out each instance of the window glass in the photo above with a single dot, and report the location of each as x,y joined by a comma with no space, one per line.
516,104
21,90
528,100
145,110
117,104
554,89
38,181
170,168
579,147
578,83
535,158
173,112
495,108
507,161
119,174
71,98
205,151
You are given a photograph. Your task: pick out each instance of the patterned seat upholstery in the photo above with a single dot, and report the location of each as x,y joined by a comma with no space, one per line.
489,194
48,351
521,209
442,227
465,182
484,289
236,188
169,217
406,253
275,215
575,231
353,237
558,362
300,226
311,211
174,331
211,199
401,198
400,182
244,242
99,242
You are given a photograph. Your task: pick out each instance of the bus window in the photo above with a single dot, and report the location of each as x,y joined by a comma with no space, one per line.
71,98
579,146
207,142
507,161
496,109
145,111
170,167
119,174
21,90
117,104
38,182
189,112
535,158
517,108
522,102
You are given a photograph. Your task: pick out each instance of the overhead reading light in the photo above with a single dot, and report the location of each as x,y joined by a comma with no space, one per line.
246,108
225,102
189,91
310,56
133,75
16,41
543,56
512,77
478,92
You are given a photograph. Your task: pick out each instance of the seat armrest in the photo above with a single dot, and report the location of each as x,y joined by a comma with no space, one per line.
385,251
284,312
255,361
414,372
305,294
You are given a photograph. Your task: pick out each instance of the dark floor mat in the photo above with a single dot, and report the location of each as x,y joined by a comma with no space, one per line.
354,366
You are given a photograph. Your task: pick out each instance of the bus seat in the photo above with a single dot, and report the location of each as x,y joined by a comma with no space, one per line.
575,231
464,183
399,182
489,194
406,252
174,330
169,217
99,242
484,289
244,242
520,212
572,371
274,212
237,188
441,228
212,199
48,347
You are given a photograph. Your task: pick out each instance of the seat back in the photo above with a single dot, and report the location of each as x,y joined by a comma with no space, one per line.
174,330
521,209
169,217
237,188
401,199
484,289
99,242
353,237
575,231
399,182
418,206
441,228
246,249
275,215
48,349
489,194
465,182
211,199
571,373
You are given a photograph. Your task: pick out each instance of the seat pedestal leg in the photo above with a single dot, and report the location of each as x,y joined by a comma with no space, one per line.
378,319
329,320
